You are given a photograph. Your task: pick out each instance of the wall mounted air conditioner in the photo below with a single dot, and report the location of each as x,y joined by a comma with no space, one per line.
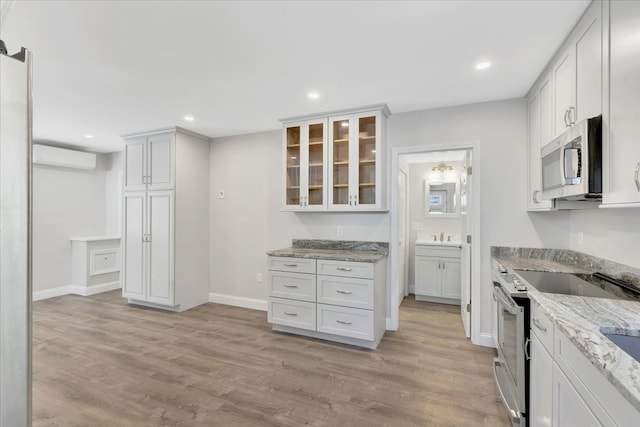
61,157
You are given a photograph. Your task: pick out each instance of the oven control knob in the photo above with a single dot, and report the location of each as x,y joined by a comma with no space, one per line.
519,285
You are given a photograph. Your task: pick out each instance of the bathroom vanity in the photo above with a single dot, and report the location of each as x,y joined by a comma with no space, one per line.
437,271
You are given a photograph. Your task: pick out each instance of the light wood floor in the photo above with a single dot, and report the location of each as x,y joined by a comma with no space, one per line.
100,362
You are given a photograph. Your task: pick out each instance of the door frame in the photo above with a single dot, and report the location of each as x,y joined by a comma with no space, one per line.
476,274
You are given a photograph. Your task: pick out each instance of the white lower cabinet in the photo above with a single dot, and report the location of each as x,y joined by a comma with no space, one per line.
565,388
333,300
437,273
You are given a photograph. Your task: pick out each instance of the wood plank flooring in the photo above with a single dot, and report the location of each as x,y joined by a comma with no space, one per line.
100,362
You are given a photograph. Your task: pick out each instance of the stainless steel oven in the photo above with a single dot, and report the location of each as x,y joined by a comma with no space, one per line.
511,335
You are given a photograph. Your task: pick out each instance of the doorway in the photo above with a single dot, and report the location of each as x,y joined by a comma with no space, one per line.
463,226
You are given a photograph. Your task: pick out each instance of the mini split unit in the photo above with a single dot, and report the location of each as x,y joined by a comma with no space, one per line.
61,157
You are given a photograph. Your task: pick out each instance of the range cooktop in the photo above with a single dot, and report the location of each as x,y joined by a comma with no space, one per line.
573,284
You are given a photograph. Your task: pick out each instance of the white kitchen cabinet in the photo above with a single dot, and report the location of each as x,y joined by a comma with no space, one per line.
539,110
568,407
437,273
148,242
577,73
165,232
336,161
305,151
95,264
541,370
621,125
149,162
334,300
565,388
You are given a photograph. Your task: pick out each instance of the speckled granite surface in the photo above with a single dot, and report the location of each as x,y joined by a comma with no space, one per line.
339,250
580,318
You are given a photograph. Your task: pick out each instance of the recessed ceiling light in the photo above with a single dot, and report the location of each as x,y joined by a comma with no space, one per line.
189,118
88,136
313,95
483,65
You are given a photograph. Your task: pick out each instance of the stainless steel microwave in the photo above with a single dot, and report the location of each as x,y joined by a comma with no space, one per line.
572,163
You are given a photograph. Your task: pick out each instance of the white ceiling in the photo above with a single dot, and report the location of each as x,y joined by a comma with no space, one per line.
113,67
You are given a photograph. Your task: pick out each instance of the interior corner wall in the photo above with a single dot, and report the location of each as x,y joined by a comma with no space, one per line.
113,193
249,220
500,128
66,203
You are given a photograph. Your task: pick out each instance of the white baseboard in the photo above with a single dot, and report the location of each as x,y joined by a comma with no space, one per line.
95,289
76,290
53,292
252,303
486,340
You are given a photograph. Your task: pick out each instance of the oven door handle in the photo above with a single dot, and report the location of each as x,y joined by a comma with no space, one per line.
499,296
515,417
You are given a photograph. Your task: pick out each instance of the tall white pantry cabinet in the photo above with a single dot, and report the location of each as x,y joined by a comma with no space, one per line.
166,219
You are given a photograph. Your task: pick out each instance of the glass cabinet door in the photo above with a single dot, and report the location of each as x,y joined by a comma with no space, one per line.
293,166
340,161
366,192
316,150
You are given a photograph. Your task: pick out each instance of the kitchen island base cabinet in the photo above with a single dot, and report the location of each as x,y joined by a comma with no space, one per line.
340,301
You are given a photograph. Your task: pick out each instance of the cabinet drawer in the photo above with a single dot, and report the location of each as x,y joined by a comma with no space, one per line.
542,326
296,265
347,292
362,270
297,314
440,252
348,322
299,286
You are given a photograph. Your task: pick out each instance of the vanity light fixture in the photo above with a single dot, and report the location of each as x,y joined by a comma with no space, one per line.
313,95
440,172
189,118
483,65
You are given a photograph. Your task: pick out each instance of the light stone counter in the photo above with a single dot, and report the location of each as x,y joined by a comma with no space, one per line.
580,318
337,250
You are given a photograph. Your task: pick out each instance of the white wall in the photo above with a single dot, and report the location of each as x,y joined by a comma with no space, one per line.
66,203
248,221
612,234
113,193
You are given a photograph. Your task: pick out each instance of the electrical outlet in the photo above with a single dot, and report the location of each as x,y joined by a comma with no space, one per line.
417,226
220,194
259,277
340,231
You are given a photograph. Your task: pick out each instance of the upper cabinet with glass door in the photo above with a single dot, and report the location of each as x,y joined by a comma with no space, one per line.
305,151
336,163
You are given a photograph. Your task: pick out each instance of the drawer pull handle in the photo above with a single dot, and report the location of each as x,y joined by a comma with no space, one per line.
290,313
290,286
340,291
343,322
291,265
343,269
539,325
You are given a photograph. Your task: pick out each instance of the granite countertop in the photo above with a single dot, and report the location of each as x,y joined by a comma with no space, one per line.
338,250
580,318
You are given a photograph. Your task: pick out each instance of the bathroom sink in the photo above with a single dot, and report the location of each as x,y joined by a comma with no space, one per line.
627,340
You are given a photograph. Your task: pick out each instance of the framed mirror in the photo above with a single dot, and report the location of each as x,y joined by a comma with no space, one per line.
442,199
